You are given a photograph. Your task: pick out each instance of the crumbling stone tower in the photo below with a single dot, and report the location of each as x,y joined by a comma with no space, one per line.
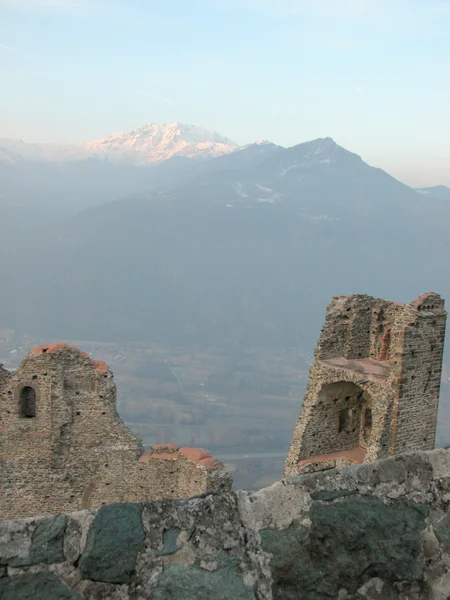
373,388
63,446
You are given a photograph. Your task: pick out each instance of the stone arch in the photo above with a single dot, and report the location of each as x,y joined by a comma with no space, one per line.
27,397
335,422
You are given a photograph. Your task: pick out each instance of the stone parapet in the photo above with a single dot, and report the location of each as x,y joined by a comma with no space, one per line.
376,531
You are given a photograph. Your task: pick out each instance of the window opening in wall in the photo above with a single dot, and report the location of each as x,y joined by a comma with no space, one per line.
345,417
27,400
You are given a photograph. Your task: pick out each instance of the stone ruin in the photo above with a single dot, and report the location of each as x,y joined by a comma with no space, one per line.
362,512
378,531
373,388
63,447
373,392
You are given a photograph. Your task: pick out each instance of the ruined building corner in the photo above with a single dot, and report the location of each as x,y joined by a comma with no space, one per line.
373,388
64,448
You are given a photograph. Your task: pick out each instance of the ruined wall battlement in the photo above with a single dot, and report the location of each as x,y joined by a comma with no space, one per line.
378,531
63,446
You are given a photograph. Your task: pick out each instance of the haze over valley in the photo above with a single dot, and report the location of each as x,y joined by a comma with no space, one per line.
201,270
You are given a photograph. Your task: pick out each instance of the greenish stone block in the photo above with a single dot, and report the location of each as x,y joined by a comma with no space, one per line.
113,543
326,496
348,543
179,582
35,586
47,544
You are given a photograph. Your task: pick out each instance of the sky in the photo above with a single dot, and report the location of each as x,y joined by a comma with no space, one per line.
372,74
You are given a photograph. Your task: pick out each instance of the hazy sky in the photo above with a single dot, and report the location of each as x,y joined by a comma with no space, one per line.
372,74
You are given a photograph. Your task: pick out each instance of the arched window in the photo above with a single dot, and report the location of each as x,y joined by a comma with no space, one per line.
27,403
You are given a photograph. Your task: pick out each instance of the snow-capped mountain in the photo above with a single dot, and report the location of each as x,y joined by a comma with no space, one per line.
154,143
146,145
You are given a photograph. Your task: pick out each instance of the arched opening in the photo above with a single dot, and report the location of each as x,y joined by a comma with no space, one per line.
27,403
336,422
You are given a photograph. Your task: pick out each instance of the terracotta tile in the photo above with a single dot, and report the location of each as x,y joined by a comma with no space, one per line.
195,454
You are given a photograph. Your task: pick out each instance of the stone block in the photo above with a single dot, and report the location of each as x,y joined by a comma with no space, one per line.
113,543
35,586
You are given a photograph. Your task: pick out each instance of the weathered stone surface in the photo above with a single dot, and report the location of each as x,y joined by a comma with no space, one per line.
170,542
442,528
72,540
114,541
290,562
95,590
179,582
278,505
326,496
47,543
348,542
15,542
45,546
35,586
332,535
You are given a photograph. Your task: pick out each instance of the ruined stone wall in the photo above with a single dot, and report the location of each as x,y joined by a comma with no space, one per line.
358,327
338,412
166,471
377,369
420,379
377,531
317,430
75,452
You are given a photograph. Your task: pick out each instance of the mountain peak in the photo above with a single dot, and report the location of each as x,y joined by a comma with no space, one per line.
320,150
154,143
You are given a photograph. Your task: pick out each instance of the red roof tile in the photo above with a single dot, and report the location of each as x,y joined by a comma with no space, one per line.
195,454
355,456
100,366
54,348
172,452
210,463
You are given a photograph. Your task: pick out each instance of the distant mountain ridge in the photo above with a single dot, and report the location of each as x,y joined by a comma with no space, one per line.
244,248
147,145
437,191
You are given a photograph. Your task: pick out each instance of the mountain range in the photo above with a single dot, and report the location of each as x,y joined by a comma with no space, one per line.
244,248
145,145
437,191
